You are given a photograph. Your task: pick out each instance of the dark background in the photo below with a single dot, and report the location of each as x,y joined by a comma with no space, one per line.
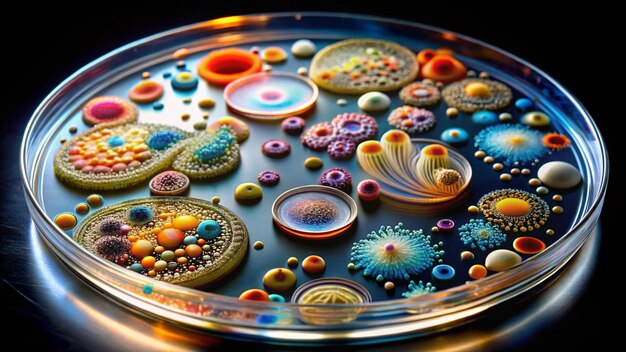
576,46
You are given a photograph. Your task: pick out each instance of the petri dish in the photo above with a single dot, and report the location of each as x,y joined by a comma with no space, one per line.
389,315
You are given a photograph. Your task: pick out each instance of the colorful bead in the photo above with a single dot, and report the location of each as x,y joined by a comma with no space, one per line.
467,255
274,54
255,295
81,208
292,262
303,48
206,103
528,245
170,238
484,117
477,271
313,163
535,119
185,222
559,174
445,224
501,260
141,249
524,104
276,298
258,245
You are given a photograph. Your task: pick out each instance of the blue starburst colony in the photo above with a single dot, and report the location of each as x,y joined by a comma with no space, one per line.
217,147
513,144
478,234
394,253
419,289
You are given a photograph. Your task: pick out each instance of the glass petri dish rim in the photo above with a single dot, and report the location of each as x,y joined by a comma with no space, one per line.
393,319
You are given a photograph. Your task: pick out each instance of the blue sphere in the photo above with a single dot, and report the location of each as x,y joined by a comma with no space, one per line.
484,117
274,297
524,104
190,240
136,267
443,272
184,81
209,229
454,135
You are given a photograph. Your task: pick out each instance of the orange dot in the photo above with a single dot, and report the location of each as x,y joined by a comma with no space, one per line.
477,271
528,245
313,264
255,295
185,222
66,221
556,141
478,90
513,207
193,250
425,55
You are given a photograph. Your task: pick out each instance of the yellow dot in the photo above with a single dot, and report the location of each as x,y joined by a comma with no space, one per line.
66,221
185,222
517,140
513,207
478,90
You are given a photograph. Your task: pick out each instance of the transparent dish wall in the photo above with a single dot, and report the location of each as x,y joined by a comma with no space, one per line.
239,319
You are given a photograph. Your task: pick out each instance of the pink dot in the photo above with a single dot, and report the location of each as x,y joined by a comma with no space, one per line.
107,110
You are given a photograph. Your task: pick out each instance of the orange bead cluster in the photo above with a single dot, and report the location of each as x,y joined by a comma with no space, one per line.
94,153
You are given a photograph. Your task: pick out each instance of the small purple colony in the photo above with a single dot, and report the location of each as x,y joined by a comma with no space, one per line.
169,181
411,119
276,148
268,178
445,224
368,190
110,227
341,149
357,127
112,248
293,125
319,136
337,177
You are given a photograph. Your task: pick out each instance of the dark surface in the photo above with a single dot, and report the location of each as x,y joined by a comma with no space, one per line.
558,43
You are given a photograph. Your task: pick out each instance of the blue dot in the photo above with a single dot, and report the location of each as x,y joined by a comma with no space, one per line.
443,272
158,106
455,135
147,289
167,74
266,319
484,117
136,267
190,240
524,104
209,229
274,297
116,141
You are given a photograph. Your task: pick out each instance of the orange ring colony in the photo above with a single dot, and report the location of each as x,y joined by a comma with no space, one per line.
440,66
221,67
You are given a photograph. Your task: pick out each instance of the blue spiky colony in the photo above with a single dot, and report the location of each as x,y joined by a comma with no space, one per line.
163,139
419,289
511,143
217,147
478,234
394,253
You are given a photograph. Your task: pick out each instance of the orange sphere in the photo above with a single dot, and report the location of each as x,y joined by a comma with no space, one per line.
477,271
425,55
313,264
193,250
141,249
255,295
148,262
170,238
513,207
185,222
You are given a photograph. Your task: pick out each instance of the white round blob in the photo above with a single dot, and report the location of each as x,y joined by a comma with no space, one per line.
501,260
559,174
303,48
374,101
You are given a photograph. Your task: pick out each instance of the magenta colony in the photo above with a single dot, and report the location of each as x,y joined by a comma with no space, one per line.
200,147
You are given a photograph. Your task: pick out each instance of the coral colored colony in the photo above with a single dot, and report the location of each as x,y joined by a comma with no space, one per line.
193,242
